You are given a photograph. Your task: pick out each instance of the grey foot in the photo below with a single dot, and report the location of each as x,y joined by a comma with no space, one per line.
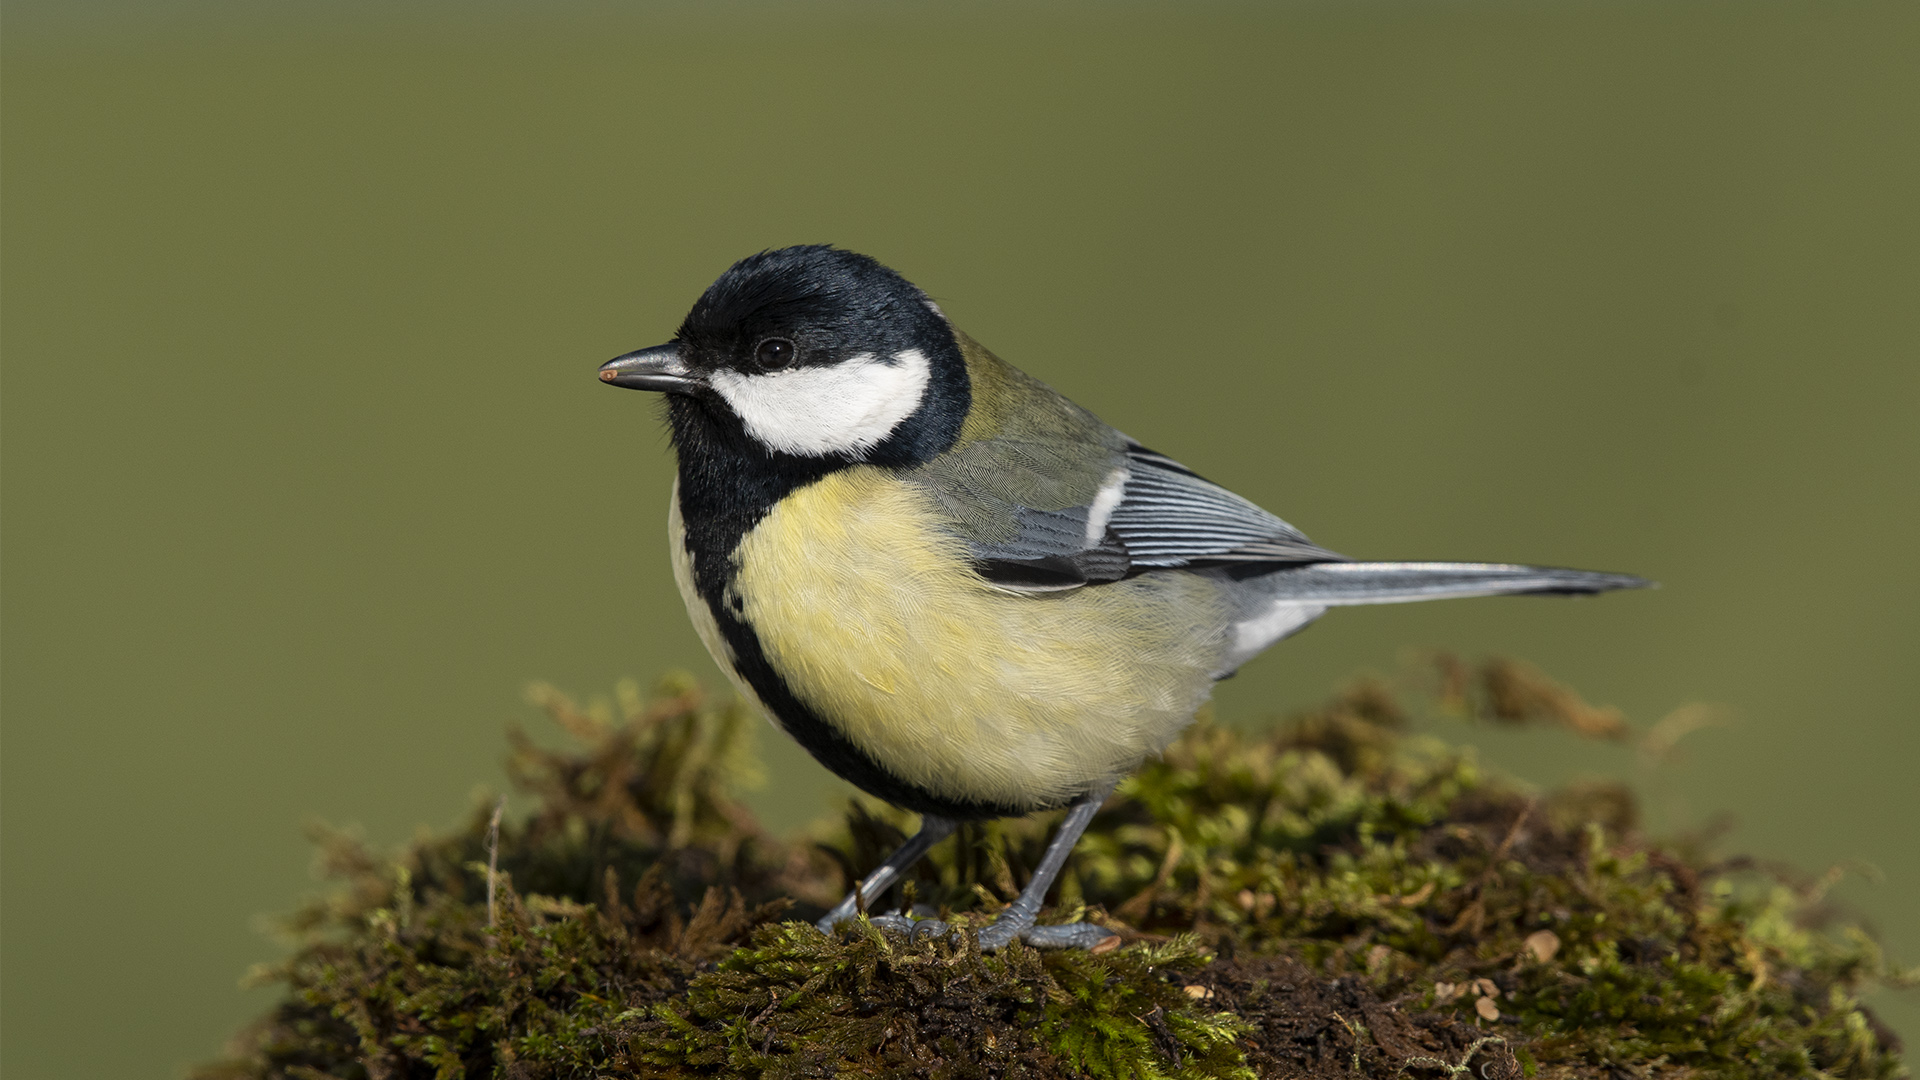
999,934
915,929
1016,919
1079,935
902,921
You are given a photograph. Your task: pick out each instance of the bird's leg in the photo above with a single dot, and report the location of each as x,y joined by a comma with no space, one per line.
1016,919
932,831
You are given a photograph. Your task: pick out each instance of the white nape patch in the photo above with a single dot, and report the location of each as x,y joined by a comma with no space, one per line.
1105,502
935,308
815,411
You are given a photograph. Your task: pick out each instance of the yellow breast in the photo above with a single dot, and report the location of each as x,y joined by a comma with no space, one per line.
872,614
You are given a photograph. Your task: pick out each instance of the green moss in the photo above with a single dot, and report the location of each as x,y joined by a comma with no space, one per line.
1341,896
796,1003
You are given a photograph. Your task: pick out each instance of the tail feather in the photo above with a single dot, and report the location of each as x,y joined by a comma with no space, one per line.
1343,583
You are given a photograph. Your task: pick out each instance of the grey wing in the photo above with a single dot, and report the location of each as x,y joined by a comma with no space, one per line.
1148,512
1168,515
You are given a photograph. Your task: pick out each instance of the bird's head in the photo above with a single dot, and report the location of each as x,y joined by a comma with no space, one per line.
811,352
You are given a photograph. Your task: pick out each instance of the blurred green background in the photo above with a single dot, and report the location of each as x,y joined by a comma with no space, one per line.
307,473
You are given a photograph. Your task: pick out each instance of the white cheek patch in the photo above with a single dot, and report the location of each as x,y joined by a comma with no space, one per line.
815,411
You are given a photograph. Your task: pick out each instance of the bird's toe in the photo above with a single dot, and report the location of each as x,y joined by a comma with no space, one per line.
1080,935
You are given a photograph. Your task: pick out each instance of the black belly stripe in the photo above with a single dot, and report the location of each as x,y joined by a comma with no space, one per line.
727,485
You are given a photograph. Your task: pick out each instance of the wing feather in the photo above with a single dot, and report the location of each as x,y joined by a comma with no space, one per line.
1171,516
1048,497
1164,516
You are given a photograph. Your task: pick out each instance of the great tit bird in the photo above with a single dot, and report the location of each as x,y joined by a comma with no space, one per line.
956,588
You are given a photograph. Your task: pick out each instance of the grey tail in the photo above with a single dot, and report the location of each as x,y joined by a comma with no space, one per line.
1342,583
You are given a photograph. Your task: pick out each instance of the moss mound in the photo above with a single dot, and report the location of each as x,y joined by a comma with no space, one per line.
1340,897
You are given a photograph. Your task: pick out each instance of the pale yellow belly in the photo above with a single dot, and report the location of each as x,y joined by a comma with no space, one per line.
967,691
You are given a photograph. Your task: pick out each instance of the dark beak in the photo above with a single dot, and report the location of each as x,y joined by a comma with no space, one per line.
659,368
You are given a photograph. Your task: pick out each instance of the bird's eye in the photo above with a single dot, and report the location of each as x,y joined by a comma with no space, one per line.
774,354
